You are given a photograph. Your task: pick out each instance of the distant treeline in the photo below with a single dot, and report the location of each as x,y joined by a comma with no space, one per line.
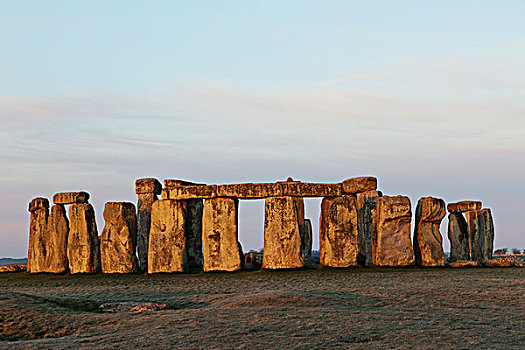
8,261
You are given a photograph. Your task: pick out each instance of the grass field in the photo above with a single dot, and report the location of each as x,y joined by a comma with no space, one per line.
478,308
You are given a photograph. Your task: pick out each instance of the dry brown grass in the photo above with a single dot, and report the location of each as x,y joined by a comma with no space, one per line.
310,309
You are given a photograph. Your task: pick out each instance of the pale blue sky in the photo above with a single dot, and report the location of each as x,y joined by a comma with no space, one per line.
426,95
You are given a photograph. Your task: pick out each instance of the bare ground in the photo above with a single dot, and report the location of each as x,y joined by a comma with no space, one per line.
308,309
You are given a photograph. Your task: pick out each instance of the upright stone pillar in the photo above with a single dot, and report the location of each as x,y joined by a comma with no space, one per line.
167,239
283,220
458,235
83,251
338,232
118,239
194,209
469,208
306,239
366,223
391,244
482,236
36,254
428,242
220,244
56,235
147,190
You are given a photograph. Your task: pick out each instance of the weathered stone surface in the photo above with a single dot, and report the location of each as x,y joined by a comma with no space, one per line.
119,238
506,261
55,241
482,236
359,184
469,217
464,206
167,240
176,182
13,268
148,185
194,211
83,251
366,222
36,255
220,244
391,245
338,232
282,233
144,205
250,190
308,189
458,235
464,263
306,239
190,192
428,242
38,203
70,197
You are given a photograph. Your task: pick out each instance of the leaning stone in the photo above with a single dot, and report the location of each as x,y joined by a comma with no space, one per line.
338,232
36,255
359,184
506,261
250,190
83,251
464,206
190,192
428,242
282,233
482,236
458,235
464,263
167,240
148,185
391,244
220,244
309,189
306,239
56,235
366,223
70,197
119,238
194,209
144,204
38,203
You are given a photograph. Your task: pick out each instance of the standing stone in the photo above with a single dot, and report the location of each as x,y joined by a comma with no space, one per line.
391,244
36,254
458,235
482,236
220,243
56,235
469,216
283,223
428,242
147,190
338,232
194,208
366,223
83,251
119,238
167,239
306,239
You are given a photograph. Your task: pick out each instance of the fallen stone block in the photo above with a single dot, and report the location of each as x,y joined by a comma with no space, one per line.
13,268
119,238
463,206
38,203
83,250
464,263
167,241
359,184
458,235
338,232
506,261
220,244
55,241
131,306
70,197
282,233
482,236
148,185
190,192
428,242
366,223
391,239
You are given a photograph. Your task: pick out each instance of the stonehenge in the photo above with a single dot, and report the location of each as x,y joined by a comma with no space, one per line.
195,226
